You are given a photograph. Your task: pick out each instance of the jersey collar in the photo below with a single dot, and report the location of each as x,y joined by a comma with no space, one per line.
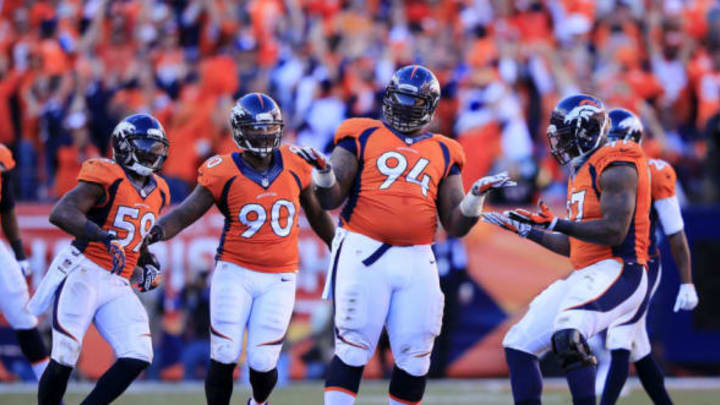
262,179
409,140
145,190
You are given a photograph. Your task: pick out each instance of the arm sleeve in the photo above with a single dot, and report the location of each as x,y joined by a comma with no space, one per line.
7,201
668,210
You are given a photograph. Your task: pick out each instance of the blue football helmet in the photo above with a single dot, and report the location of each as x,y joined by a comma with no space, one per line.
624,126
578,125
139,144
411,98
257,124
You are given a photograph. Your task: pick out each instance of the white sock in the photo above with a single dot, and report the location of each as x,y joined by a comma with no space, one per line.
253,402
39,367
334,396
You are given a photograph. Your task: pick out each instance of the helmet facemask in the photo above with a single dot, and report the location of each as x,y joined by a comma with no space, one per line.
147,154
406,111
260,139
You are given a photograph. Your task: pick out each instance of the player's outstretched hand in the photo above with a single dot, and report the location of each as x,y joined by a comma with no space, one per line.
117,253
543,219
503,221
25,267
488,183
312,156
687,298
149,275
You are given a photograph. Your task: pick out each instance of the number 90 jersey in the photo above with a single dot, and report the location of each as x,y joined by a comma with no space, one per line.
393,198
125,211
583,202
260,209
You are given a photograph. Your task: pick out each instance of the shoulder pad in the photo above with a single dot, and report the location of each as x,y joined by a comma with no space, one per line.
100,170
214,172
662,179
622,151
353,127
455,150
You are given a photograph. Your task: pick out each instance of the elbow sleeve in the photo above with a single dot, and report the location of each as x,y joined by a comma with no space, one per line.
668,211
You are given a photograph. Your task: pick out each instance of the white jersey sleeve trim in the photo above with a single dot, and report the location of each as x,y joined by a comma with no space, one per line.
668,210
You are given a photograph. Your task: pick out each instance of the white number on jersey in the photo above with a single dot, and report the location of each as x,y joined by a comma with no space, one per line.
579,199
394,172
261,216
121,222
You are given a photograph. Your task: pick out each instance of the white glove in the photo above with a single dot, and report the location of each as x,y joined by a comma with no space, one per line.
471,206
503,221
25,267
687,298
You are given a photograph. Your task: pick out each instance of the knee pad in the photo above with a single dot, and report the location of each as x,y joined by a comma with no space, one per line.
223,349
572,349
263,359
65,350
352,353
414,358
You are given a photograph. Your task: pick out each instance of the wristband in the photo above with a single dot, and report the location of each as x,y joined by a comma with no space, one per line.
94,233
324,178
17,247
471,205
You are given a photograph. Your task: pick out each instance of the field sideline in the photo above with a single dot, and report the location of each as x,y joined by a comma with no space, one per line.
685,391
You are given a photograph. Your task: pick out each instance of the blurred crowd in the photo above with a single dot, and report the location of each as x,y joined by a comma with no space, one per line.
69,69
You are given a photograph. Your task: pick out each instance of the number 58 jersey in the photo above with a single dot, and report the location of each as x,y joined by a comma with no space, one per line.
393,198
260,208
127,212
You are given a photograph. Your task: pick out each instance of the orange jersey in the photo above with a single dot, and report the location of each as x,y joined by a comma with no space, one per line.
393,198
261,209
662,180
7,162
583,201
123,211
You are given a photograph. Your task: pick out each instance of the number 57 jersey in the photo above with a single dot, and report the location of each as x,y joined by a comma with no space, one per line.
393,198
260,208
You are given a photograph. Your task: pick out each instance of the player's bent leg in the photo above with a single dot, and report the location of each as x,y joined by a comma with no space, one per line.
530,338
219,383
652,380
267,326
115,381
123,322
576,358
53,383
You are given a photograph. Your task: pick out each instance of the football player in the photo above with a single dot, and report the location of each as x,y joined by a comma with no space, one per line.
629,341
112,208
260,190
606,237
13,270
396,180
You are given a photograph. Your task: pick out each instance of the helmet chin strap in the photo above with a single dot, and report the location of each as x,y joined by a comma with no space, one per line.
140,169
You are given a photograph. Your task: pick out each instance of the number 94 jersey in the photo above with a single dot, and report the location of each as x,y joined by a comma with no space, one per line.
125,211
260,208
393,198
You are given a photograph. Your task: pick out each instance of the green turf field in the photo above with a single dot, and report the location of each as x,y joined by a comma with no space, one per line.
483,392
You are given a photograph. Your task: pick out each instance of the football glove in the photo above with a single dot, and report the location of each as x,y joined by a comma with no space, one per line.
312,156
503,221
487,183
25,267
156,234
323,174
148,275
117,253
687,298
471,206
542,219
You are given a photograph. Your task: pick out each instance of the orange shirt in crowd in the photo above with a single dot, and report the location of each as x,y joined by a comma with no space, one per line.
70,159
